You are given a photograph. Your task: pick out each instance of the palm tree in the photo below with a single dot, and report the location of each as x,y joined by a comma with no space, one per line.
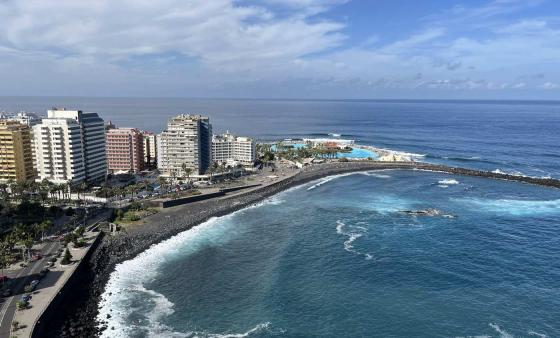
209,172
162,182
42,227
82,188
187,172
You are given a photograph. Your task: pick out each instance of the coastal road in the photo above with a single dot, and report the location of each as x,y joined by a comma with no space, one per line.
23,278
26,276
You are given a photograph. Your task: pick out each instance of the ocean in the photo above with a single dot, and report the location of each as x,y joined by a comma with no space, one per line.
515,137
340,257
354,255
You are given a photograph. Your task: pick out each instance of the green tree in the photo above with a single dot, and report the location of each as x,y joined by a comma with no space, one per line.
67,258
187,172
43,227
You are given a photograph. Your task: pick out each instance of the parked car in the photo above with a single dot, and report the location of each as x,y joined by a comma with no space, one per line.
25,298
36,257
34,284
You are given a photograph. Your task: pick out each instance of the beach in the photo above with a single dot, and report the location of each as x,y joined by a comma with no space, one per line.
76,316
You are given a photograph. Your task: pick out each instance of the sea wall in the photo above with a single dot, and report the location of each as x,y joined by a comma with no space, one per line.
73,286
78,316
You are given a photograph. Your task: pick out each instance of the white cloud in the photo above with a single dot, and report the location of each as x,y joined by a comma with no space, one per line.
217,32
199,45
550,85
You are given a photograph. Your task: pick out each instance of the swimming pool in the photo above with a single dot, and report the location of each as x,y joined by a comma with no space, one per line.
355,153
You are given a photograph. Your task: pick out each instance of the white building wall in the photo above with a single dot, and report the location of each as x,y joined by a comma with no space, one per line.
58,151
187,140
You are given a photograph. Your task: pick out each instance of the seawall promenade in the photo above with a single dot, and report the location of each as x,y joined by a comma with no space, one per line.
76,318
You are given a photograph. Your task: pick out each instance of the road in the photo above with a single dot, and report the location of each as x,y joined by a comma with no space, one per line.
23,278
26,276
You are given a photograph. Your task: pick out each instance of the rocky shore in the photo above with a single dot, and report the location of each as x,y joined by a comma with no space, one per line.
76,317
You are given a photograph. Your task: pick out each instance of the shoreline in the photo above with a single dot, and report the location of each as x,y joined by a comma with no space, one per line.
76,318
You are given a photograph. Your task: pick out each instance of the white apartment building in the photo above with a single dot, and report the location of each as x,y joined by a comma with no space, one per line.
229,148
70,146
58,151
93,140
187,140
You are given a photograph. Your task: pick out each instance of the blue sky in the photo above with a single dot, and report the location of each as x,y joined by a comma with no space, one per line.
487,49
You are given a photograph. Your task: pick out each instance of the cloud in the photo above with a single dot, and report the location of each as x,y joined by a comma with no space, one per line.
218,33
172,47
550,85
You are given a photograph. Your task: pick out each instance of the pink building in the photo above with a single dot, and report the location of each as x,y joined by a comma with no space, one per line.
125,150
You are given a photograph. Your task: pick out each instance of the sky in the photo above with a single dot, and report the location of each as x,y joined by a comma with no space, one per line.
323,49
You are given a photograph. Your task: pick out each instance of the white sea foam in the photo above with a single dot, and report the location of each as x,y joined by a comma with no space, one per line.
536,334
127,282
259,328
448,182
503,333
352,233
321,181
373,174
513,207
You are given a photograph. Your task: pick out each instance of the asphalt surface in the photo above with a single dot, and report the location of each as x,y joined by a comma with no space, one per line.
25,276
19,281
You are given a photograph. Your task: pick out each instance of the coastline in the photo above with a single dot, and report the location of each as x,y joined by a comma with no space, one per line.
77,316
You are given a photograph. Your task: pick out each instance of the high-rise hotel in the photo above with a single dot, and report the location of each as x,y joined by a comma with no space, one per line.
228,148
70,147
187,141
125,150
16,157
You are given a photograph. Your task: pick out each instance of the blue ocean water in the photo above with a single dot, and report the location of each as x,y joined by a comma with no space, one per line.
512,136
338,257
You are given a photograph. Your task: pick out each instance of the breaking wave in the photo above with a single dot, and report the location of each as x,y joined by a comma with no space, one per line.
513,207
352,233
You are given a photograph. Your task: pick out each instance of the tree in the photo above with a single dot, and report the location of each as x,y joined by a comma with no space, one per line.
42,227
162,182
67,258
5,255
187,172
209,172
15,325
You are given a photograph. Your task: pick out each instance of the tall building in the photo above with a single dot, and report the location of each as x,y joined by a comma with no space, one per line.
16,156
187,140
229,148
93,140
150,148
125,151
59,155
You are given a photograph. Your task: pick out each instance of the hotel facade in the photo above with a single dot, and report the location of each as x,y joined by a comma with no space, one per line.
70,147
228,148
125,150
16,155
187,141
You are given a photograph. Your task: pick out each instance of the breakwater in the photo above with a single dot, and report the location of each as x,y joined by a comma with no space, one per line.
78,316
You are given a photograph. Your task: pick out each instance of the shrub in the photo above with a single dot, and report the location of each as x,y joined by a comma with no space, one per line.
67,259
135,206
21,305
15,325
70,211
28,289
